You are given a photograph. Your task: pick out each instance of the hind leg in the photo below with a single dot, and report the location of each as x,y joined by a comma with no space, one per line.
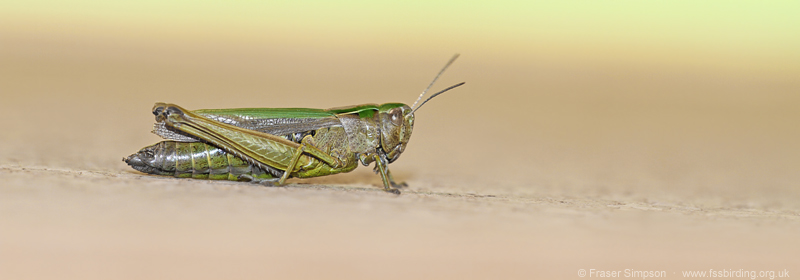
254,180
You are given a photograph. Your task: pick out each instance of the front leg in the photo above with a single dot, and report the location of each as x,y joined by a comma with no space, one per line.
388,182
394,184
391,178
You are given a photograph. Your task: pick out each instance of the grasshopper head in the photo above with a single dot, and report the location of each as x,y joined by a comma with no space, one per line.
397,119
397,122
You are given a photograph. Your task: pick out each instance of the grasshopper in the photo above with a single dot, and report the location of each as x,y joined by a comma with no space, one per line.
270,145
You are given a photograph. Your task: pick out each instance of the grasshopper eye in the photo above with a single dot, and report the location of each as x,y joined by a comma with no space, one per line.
396,116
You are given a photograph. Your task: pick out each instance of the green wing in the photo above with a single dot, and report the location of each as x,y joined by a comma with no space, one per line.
270,113
275,121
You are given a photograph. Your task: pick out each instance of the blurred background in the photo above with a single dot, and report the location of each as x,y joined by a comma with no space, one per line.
676,95
682,102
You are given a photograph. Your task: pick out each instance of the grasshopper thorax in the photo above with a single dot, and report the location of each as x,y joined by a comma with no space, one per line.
396,123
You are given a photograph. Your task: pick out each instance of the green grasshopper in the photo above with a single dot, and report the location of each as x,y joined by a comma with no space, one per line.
270,145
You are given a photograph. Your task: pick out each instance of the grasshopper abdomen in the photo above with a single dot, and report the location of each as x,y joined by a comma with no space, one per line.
196,160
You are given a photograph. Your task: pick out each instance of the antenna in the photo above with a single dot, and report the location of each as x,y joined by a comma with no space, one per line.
436,94
434,81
